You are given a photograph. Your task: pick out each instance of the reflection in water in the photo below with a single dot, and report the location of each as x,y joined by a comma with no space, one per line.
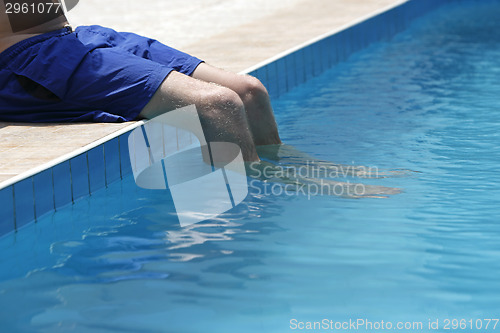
145,243
243,220
93,246
284,165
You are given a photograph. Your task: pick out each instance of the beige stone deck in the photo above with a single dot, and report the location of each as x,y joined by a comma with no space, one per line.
232,34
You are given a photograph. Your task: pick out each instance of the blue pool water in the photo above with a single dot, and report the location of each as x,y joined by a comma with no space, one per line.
426,101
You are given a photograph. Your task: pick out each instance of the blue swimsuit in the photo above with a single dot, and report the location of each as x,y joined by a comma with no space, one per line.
92,74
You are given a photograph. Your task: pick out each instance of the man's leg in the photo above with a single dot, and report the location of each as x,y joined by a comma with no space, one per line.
254,96
221,110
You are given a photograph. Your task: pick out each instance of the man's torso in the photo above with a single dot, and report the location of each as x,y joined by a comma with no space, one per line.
27,18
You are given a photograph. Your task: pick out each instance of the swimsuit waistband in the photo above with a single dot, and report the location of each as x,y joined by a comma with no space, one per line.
19,47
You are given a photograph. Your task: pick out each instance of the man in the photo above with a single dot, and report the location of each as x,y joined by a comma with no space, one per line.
50,73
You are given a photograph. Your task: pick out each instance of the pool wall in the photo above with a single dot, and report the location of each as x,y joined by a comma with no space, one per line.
27,197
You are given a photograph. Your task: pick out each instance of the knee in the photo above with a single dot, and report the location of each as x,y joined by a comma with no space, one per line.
252,89
223,99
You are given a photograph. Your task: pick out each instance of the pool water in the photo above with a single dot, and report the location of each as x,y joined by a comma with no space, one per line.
426,101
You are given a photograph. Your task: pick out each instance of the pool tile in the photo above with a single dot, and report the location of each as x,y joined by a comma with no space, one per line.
337,42
300,72
44,193
24,202
79,176
399,20
370,27
389,30
97,171
317,61
272,77
291,71
361,32
308,63
348,45
112,160
282,76
407,17
366,38
332,50
261,74
324,54
7,211
397,16
343,46
125,165
355,37
392,23
62,184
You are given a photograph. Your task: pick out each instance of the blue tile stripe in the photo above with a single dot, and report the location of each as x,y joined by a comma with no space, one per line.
112,161
43,192
47,191
7,221
295,68
80,176
24,202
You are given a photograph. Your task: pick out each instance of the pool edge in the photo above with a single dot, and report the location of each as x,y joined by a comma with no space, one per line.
38,191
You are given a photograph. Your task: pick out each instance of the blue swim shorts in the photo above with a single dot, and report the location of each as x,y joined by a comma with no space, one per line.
91,74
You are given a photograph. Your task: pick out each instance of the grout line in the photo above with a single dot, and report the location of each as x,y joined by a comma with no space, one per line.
14,206
105,166
88,171
120,157
71,182
53,189
34,197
